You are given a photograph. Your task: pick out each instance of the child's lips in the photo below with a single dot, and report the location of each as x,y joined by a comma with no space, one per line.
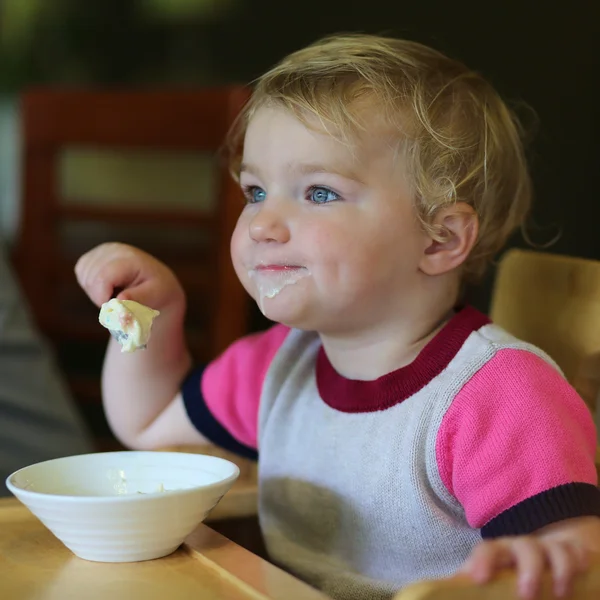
277,268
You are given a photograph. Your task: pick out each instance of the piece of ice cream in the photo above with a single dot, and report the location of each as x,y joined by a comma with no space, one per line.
269,282
129,322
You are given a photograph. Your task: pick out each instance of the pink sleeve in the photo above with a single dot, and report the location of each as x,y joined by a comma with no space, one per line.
516,429
232,383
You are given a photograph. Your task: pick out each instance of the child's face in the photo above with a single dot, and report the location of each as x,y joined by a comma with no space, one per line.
329,239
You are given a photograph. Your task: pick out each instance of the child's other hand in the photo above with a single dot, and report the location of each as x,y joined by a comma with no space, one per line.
565,548
136,274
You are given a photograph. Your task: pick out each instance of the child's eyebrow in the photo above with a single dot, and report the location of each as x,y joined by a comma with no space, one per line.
310,169
334,169
246,168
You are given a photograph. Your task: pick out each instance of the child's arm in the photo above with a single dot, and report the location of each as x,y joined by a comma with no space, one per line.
564,547
141,390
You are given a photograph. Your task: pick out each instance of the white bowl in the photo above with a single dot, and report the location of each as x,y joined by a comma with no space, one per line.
123,506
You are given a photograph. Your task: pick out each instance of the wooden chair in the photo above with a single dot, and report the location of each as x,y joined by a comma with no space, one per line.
554,302
503,587
55,230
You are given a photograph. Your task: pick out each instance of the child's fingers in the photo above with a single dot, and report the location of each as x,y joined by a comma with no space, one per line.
147,292
486,558
565,561
530,560
86,271
529,556
582,554
105,267
118,273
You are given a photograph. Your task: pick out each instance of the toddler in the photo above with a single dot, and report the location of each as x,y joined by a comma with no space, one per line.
400,435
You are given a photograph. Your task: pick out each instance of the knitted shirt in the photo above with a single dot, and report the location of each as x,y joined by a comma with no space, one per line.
366,486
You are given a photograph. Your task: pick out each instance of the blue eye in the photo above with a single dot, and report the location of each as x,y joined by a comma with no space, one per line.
322,195
254,194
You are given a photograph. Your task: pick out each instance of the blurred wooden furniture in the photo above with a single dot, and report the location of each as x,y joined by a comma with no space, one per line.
554,302
56,230
503,587
34,564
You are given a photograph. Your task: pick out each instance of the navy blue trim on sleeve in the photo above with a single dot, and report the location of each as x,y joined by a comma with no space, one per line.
204,421
556,504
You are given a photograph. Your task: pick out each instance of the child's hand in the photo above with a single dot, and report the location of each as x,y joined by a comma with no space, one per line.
564,547
133,273
141,394
529,555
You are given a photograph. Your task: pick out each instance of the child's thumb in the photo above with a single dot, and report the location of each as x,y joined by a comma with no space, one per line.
145,293
113,277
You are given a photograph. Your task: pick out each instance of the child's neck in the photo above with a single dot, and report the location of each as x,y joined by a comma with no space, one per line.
376,352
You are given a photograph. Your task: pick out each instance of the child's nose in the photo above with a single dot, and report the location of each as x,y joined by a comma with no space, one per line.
269,224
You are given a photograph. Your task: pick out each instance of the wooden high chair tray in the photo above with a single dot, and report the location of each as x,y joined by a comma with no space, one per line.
34,565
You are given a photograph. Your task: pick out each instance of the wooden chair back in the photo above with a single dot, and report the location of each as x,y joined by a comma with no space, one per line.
56,229
553,302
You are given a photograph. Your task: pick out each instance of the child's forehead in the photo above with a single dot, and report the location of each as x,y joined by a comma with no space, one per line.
305,133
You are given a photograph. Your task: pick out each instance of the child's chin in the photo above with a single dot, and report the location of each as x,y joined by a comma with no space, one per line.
285,314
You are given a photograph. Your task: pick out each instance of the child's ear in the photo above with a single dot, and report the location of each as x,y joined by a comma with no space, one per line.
459,226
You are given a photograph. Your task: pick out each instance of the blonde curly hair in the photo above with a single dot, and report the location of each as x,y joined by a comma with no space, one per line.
459,141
